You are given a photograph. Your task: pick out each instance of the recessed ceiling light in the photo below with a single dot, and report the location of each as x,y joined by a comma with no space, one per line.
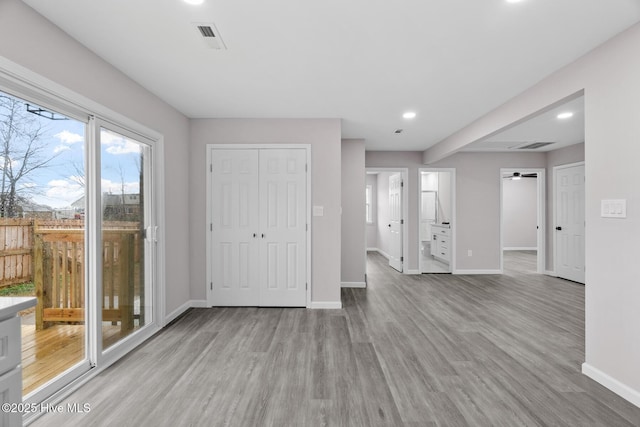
409,115
565,115
194,2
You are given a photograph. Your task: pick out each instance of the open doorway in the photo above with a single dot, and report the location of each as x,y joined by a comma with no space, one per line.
522,220
386,207
436,205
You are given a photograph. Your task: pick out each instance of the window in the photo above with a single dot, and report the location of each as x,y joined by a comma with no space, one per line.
369,204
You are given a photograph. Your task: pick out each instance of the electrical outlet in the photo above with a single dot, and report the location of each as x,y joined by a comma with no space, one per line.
469,252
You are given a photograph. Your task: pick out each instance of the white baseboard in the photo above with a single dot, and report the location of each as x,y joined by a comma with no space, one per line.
177,312
194,303
520,248
612,384
326,305
461,271
380,251
353,284
550,273
199,303
413,272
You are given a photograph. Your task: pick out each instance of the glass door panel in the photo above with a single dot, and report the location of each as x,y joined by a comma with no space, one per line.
42,236
126,279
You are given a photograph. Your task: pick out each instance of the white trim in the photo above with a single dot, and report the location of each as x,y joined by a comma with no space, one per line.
452,221
520,248
550,273
177,312
473,272
413,272
612,384
353,285
199,303
331,305
209,249
380,251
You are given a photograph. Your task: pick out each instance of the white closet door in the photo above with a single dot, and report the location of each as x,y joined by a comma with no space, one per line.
570,229
395,221
235,220
283,185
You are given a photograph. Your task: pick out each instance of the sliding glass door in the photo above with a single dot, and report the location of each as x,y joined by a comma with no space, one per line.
77,231
127,234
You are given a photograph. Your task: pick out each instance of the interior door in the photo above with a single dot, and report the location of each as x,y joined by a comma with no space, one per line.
283,184
395,221
569,224
235,227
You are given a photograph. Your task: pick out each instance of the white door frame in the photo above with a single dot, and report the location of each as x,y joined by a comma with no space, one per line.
541,216
555,212
405,211
210,148
452,252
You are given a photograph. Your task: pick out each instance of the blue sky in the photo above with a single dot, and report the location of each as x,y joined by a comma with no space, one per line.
60,183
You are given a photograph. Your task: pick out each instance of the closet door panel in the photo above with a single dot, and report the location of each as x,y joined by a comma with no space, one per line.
283,249
235,220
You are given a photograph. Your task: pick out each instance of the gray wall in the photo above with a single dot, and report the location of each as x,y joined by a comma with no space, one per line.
519,213
36,44
324,137
608,77
352,268
478,204
412,160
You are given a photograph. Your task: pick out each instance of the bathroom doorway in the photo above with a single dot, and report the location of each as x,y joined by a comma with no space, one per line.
436,220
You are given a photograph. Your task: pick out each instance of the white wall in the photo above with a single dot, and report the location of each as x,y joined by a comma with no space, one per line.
372,229
324,137
519,213
608,77
353,248
27,39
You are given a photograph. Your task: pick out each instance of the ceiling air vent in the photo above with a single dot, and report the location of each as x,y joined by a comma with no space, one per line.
210,35
533,145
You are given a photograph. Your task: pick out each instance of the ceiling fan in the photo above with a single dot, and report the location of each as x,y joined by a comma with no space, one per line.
518,175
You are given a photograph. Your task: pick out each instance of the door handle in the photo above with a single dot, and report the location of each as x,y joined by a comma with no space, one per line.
263,235
389,225
559,228
254,235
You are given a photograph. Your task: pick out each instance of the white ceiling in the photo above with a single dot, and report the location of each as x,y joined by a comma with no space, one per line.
364,61
543,127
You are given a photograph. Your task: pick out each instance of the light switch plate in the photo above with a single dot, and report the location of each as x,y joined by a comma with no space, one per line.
613,208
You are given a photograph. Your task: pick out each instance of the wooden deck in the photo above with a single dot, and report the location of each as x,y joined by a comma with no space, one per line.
48,353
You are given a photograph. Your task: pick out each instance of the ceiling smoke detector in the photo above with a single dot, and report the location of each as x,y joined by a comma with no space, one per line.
210,35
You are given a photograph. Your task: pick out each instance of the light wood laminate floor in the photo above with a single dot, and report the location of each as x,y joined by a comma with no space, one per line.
420,350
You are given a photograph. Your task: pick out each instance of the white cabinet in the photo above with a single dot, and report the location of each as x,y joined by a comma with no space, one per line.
10,357
441,242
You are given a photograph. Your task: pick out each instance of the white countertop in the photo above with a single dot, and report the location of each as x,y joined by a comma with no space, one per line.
10,306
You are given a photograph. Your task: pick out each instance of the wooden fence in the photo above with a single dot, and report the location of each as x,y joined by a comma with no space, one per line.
59,275
16,251
17,244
